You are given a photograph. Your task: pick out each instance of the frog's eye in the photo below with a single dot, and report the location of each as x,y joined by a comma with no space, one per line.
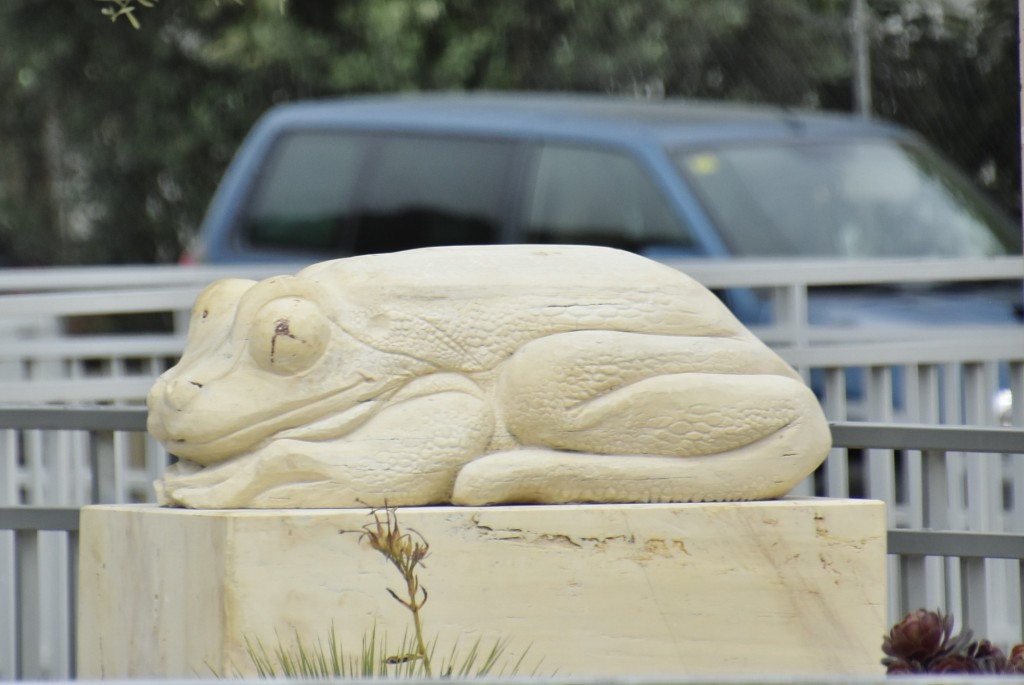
288,335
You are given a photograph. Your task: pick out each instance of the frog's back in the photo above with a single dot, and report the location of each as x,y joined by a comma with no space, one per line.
483,302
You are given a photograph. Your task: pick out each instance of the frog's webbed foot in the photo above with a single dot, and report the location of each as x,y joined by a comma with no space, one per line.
221,486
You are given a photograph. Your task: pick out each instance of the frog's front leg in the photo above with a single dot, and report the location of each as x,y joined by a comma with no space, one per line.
408,453
622,417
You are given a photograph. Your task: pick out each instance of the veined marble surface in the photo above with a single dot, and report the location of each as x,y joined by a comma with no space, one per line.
792,586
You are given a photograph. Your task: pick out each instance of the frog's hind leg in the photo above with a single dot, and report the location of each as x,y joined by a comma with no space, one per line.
765,469
682,415
621,417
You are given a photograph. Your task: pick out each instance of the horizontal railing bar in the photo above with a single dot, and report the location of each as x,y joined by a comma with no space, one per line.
44,417
927,543
897,346
90,389
736,272
99,346
67,278
956,544
923,437
903,542
86,303
755,273
835,337
844,433
824,338
979,345
39,518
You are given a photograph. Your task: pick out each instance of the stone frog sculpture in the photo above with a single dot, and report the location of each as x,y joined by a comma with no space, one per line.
478,375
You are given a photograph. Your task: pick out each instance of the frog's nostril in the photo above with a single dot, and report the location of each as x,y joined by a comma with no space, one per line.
181,392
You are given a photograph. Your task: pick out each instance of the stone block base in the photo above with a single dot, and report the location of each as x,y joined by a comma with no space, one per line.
795,586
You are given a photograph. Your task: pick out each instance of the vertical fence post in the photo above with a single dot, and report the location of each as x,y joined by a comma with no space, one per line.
104,472
29,662
985,581
9,626
72,547
881,483
10,496
935,499
837,464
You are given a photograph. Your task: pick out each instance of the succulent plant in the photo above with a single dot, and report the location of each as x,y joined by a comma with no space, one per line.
1015,664
923,642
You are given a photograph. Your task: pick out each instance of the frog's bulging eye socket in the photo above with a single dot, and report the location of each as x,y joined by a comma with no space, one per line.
288,335
214,310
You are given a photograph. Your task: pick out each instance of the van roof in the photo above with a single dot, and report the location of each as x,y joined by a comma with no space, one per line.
669,121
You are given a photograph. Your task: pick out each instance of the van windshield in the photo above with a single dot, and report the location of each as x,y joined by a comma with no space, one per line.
846,199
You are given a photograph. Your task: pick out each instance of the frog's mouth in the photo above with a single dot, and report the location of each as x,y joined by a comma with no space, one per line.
322,418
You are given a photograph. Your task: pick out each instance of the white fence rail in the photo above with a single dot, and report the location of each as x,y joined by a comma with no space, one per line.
43,359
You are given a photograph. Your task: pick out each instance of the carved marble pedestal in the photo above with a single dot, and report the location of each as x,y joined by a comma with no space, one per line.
794,586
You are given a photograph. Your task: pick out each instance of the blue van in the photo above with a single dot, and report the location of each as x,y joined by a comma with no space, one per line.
324,179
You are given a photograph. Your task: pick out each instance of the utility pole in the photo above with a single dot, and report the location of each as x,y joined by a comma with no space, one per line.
862,58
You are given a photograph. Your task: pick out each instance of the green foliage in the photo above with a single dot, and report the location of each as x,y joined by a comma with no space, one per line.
125,8
377,659
414,657
113,140
920,55
112,144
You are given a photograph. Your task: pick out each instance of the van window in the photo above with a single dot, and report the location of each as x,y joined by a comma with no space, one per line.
421,192
303,198
596,197
349,193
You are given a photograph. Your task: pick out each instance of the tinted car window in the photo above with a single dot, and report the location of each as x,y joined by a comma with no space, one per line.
863,198
432,191
349,193
303,198
586,196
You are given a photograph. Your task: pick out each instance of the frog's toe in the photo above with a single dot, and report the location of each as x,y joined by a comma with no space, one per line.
213,487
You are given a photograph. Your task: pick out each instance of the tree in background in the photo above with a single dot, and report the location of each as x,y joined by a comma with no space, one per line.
118,9
114,139
952,76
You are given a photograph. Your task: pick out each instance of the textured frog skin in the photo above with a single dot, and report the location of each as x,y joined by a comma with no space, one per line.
478,375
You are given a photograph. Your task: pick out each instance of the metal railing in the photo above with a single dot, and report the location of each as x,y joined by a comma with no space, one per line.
42,361
76,456
956,570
